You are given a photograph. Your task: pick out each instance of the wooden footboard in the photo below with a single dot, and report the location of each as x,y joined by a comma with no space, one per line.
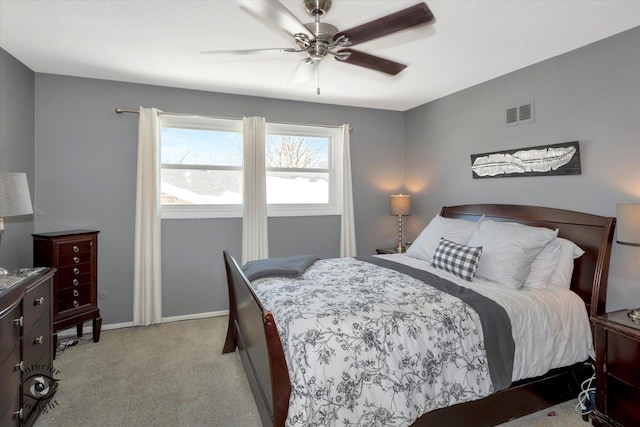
253,331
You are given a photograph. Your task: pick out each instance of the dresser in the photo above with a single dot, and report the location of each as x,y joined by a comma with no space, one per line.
617,342
26,350
74,253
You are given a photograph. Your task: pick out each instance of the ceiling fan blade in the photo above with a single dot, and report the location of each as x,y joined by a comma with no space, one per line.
249,51
406,18
372,62
305,71
276,15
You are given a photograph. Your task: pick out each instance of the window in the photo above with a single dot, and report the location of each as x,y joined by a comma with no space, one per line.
201,168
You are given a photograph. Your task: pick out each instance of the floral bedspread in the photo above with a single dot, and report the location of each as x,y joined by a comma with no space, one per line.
369,346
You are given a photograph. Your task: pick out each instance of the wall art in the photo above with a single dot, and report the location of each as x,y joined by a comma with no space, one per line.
555,159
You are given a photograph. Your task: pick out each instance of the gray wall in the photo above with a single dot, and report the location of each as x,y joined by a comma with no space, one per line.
86,161
590,95
16,154
85,157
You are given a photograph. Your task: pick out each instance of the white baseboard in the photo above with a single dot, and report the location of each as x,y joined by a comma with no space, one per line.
88,329
195,316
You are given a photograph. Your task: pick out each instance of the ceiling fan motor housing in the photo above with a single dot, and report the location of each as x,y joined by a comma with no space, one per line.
323,33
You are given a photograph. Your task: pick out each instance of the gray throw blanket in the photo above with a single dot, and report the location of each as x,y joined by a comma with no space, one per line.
292,266
496,326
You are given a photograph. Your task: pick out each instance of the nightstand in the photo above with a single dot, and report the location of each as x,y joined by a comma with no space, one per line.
384,251
617,343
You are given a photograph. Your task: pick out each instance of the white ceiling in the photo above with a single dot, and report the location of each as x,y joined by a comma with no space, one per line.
159,42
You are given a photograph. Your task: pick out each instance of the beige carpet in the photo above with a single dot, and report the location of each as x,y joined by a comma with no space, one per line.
174,375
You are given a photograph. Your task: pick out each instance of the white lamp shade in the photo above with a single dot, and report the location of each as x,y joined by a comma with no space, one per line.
400,204
628,224
14,195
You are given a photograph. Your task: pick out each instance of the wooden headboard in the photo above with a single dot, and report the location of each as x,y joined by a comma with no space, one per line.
593,233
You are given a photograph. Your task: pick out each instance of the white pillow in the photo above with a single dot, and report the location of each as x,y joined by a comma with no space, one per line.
508,250
569,251
455,230
544,265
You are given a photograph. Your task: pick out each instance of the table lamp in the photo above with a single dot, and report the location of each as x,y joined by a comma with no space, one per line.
14,199
400,205
628,223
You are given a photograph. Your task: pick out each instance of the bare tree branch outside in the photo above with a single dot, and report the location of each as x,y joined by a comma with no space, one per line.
293,152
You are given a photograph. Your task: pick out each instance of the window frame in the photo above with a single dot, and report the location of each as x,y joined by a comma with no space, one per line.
201,211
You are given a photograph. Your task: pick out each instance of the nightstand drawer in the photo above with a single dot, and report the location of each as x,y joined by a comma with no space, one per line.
622,359
623,403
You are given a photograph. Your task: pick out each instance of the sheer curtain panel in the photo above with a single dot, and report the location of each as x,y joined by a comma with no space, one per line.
147,285
347,223
255,238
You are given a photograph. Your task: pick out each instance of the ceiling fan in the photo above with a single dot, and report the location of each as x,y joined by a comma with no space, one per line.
320,39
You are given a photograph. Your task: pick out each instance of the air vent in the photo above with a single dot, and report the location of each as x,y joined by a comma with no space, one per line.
519,114
524,112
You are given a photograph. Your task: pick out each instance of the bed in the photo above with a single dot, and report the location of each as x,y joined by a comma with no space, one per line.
252,328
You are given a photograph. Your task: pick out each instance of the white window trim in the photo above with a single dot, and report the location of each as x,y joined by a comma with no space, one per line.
334,207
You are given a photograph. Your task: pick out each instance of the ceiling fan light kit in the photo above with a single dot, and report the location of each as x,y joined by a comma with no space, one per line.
319,39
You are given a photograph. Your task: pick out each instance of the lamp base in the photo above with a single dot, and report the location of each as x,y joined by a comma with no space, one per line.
400,248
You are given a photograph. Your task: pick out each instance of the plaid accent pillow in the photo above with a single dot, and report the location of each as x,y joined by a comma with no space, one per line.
457,259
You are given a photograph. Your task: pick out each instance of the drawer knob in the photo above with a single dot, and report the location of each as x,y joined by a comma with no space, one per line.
75,282
76,271
20,366
76,249
19,321
76,259
76,303
38,301
19,413
38,340
75,293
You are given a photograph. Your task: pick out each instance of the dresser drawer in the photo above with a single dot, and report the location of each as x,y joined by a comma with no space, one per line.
10,375
74,259
37,341
622,359
74,281
9,417
75,247
37,302
9,328
74,297
69,272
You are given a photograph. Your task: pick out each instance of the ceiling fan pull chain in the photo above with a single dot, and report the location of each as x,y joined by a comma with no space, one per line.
318,89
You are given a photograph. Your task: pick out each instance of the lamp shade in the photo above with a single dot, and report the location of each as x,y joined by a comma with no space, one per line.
400,204
629,224
14,195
